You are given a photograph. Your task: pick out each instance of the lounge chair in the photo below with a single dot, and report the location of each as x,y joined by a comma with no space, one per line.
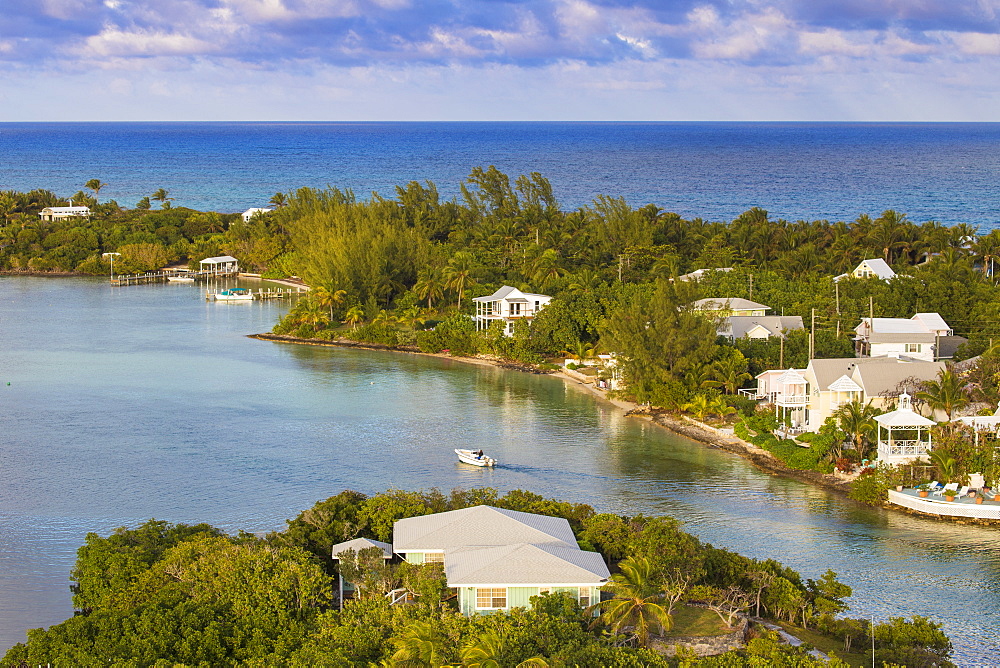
933,486
962,492
953,486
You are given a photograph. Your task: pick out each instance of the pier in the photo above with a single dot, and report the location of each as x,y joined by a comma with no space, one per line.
261,293
162,275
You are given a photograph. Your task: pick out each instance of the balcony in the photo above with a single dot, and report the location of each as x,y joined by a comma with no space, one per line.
796,400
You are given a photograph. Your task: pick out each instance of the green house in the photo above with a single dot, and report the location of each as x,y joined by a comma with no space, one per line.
498,559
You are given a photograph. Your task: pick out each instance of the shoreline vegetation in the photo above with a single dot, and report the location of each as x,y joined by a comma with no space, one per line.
175,594
402,272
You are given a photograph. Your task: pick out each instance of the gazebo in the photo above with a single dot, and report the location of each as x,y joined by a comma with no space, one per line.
224,264
358,544
903,434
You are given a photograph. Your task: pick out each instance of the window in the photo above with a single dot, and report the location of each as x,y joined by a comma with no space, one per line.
912,348
515,309
433,557
584,597
495,597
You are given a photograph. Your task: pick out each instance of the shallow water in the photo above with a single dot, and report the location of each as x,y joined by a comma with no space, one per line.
147,401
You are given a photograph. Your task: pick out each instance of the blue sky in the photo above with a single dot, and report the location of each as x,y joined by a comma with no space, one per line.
895,60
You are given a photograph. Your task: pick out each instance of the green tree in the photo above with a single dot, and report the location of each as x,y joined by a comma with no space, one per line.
95,185
857,420
458,274
161,196
731,371
946,394
354,316
637,603
431,284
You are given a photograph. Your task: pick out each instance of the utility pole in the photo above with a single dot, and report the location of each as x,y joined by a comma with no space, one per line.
751,287
871,309
836,287
781,352
812,335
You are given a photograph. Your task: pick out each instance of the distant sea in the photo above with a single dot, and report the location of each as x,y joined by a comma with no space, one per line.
946,172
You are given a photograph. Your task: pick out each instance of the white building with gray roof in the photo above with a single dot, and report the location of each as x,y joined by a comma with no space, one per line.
498,559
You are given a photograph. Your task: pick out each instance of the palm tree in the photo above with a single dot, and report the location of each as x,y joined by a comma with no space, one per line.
313,313
95,185
546,268
278,199
143,204
731,372
947,393
161,196
637,603
430,285
857,420
700,406
420,644
945,464
482,652
458,274
327,298
354,315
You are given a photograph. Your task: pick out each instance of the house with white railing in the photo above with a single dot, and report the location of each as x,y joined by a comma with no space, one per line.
873,268
53,213
508,305
805,398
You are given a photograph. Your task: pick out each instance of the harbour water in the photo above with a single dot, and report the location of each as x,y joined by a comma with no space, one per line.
130,403
810,171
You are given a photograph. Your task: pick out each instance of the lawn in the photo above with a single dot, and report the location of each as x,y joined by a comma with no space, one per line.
692,621
827,645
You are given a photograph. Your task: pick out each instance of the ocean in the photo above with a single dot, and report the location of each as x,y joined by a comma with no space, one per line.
945,172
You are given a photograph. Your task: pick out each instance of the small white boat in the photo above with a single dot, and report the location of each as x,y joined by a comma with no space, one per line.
180,279
475,457
234,295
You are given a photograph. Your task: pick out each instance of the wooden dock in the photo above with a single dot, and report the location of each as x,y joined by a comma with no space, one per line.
261,293
162,275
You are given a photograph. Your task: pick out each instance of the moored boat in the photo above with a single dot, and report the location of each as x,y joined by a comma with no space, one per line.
474,457
180,279
234,295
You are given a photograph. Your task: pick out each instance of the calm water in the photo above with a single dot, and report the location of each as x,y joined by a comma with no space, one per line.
931,171
126,404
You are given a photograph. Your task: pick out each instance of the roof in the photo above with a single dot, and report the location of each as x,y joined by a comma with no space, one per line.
981,422
904,416
932,321
880,379
791,377
844,384
513,293
219,260
698,273
67,209
949,345
479,526
728,304
524,564
775,324
879,267
359,544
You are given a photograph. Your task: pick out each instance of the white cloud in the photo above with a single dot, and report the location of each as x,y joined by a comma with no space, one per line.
833,42
112,42
977,43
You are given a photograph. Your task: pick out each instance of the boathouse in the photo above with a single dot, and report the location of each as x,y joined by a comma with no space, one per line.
224,264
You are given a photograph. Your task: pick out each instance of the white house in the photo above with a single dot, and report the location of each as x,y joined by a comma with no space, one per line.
53,213
807,397
729,306
498,559
758,327
698,274
874,268
917,337
250,213
509,305
347,589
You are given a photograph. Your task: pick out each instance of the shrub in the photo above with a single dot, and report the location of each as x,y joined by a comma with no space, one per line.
375,332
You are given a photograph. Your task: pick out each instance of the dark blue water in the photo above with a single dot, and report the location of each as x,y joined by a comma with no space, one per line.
931,171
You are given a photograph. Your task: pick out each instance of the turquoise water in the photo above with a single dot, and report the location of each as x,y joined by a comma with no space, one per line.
139,402
932,171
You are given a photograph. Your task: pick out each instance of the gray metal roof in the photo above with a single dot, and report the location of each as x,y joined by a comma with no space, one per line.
479,526
879,379
728,304
899,337
524,564
359,544
741,325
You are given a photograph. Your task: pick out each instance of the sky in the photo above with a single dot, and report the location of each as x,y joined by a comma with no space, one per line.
849,60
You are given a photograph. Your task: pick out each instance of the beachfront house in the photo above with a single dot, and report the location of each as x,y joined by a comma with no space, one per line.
874,268
498,559
254,211
805,398
53,213
224,264
508,305
925,336
757,327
